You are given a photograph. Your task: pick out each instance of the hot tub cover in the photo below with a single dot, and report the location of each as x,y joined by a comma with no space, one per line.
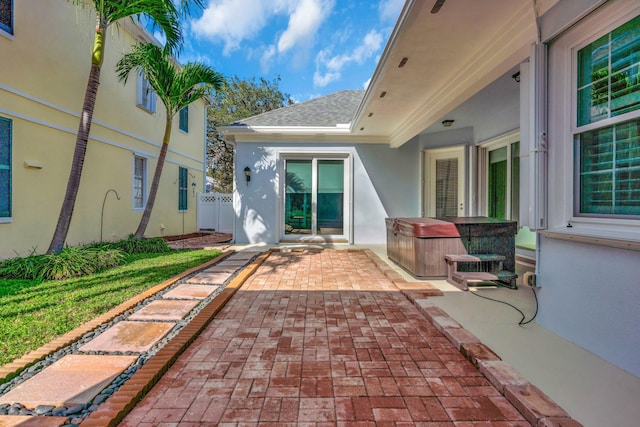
425,227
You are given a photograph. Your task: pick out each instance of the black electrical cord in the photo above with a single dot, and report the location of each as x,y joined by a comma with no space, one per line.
521,322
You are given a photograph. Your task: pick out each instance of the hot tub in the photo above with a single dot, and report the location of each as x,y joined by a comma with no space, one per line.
420,244
483,235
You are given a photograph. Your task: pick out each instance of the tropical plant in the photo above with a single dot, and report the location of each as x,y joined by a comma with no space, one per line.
238,99
69,262
132,245
163,14
177,87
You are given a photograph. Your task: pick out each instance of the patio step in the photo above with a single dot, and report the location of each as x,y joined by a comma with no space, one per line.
486,264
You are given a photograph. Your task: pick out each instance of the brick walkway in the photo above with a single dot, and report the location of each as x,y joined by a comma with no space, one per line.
322,338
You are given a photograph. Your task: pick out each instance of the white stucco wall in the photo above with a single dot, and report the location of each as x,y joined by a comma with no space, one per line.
590,295
386,182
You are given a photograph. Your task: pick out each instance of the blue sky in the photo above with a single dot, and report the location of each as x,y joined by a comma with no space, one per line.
316,46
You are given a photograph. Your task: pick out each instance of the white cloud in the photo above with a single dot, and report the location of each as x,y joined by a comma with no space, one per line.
390,9
304,22
234,21
333,66
231,21
365,85
267,55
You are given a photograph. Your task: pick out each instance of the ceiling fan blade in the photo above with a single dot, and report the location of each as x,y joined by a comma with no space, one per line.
437,6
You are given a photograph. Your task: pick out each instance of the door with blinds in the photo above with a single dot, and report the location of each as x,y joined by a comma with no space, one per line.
444,182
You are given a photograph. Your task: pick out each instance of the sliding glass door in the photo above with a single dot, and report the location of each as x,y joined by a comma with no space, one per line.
315,198
503,189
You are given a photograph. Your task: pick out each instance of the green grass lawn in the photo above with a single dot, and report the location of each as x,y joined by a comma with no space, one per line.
34,313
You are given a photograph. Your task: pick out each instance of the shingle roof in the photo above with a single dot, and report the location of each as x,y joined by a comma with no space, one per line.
327,111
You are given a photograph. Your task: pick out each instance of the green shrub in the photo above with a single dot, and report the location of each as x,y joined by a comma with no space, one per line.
68,263
133,245
22,268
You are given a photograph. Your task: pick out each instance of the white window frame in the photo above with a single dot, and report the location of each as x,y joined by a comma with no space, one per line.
562,113
145,182
429,158
348,192
145,95
505,140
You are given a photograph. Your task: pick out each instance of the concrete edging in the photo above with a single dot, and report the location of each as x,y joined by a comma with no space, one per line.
535,406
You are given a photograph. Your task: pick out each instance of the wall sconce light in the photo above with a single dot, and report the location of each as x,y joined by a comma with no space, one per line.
193,188
516,77
447,123
247,174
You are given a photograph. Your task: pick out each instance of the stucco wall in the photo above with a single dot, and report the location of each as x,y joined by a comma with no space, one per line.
589,294
42,92
386,182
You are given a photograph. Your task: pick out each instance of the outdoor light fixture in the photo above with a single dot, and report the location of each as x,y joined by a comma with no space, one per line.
247,174
447,123
516,77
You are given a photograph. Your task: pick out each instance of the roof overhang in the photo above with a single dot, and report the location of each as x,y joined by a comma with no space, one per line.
432,64
296,134
450,56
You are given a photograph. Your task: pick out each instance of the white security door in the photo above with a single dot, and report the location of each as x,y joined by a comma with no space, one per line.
444,182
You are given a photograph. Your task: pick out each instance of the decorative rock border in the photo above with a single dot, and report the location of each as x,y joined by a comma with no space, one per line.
116,407
11,370
183,333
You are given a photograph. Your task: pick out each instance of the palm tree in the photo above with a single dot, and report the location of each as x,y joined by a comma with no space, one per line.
176,86
164,15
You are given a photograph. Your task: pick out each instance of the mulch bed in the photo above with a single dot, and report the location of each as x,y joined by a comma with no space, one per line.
198,240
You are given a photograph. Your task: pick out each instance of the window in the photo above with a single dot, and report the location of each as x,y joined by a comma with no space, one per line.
183,188
446,187
5,168
317,196
499,176
146,97
184,119
139,182
607,129
504,182
6,16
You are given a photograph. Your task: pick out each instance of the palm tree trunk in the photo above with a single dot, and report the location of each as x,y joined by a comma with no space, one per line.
66,212
82,138
146,215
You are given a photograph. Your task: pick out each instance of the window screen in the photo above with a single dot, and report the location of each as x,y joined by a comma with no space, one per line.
608,157
5,167
183,187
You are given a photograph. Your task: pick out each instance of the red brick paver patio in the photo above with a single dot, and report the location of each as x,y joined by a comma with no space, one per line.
322,338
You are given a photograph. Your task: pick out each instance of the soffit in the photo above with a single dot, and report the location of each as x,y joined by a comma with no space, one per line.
451,56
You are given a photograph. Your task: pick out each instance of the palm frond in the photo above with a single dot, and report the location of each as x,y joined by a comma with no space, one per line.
163,14
187,6
176,86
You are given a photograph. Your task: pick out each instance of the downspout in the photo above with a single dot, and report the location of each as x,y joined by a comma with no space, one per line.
236,198
539,137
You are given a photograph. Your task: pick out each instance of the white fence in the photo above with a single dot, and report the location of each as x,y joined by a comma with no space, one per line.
215,212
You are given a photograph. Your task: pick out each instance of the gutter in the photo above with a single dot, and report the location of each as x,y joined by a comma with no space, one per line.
408,6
